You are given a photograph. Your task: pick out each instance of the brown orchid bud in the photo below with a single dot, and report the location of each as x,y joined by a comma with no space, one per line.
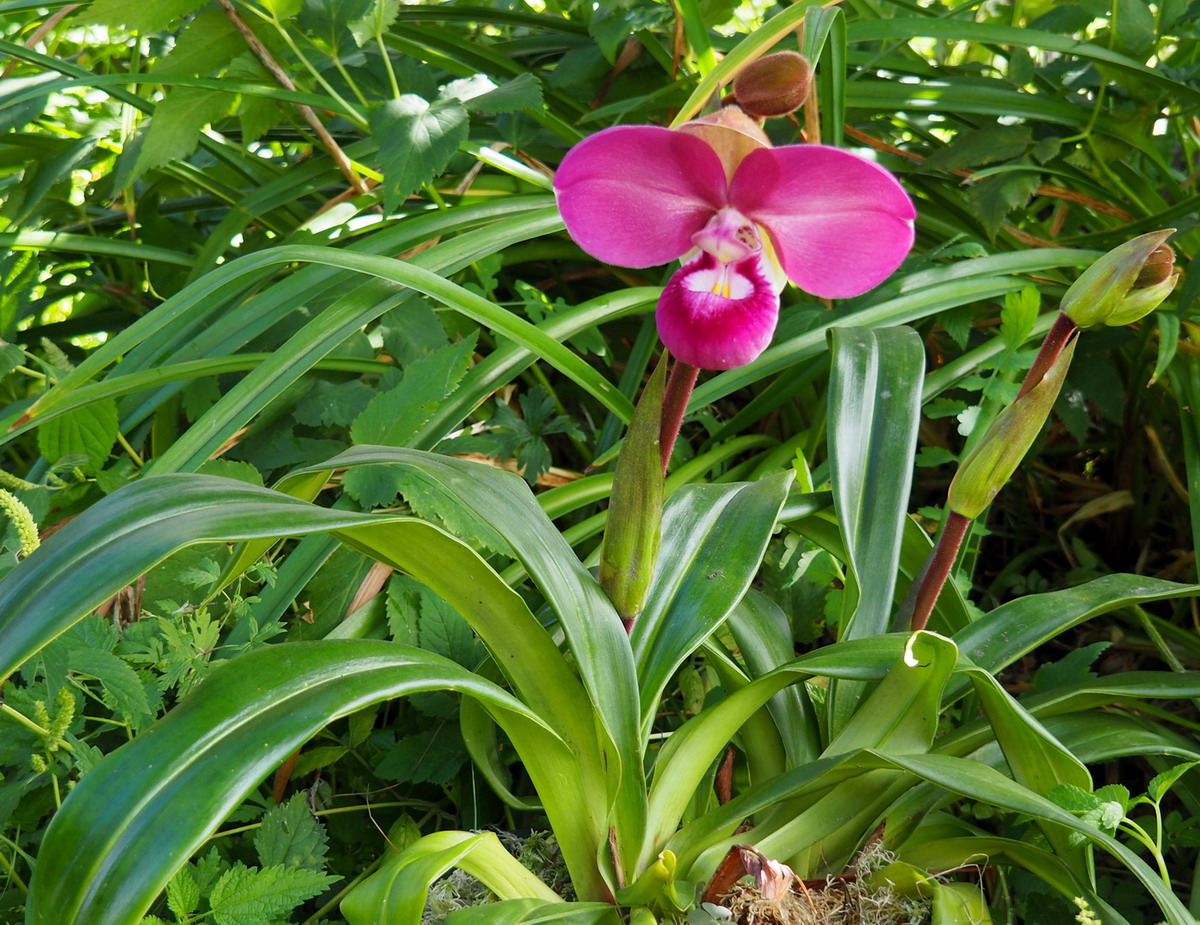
774,85
1158,267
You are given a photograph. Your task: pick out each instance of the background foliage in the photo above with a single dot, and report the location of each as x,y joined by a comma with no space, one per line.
238,239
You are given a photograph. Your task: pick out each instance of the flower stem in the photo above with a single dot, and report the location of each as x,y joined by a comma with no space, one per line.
1056,339
941,560
679,389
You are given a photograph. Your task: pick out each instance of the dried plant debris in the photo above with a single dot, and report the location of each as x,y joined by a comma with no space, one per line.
846,900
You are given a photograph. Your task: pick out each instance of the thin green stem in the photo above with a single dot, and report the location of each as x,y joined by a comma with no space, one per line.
316,75
11,870
130,451
941,561
680,384
387,63
24,720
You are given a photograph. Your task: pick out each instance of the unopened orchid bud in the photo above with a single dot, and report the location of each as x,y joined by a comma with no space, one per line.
1141,302
989,466
1158,267
774,85
1100,293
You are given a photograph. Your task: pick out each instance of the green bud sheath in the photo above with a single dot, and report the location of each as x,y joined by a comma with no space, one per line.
991,464
1141,302
1102,287
630,546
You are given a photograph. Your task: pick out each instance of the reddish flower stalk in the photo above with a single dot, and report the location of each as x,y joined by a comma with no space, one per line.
679,390
941,561
1057,338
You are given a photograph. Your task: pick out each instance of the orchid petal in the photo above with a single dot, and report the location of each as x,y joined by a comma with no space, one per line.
840,223
717,315
634,195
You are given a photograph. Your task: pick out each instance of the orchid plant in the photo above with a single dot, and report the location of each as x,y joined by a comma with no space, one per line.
884,727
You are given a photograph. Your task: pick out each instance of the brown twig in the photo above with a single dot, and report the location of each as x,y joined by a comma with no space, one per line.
40,33
1051,192
268,61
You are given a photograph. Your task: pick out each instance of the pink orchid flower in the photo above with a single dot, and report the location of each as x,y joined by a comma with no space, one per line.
833,223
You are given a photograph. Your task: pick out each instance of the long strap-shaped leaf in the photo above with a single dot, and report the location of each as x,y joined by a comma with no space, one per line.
138,816
1011,630
874,410
593,629
713,540
137,526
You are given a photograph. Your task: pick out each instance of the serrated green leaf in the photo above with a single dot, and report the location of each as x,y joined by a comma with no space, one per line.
957,323
138,15
290,836
329,404
88,432
383,13
313,759
256,114
232,469
1019,315
481,94
1071,668
246,896
121,687
394,417
434,756
992,198
1158,787
183,893
206,43
412,330
416,140
977,147
175,127
328,21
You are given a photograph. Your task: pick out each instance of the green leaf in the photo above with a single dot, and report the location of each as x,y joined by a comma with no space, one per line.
233,469
330,404
246,896
418,616
396,893
208,42
480,94
976,147
291,837
88,432
1158,787
416,141
713,540
434,756
176,125
137,15
282,9
144,809
1070,669
1018,316
992,198
394,417
183,893
121,686
871,448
